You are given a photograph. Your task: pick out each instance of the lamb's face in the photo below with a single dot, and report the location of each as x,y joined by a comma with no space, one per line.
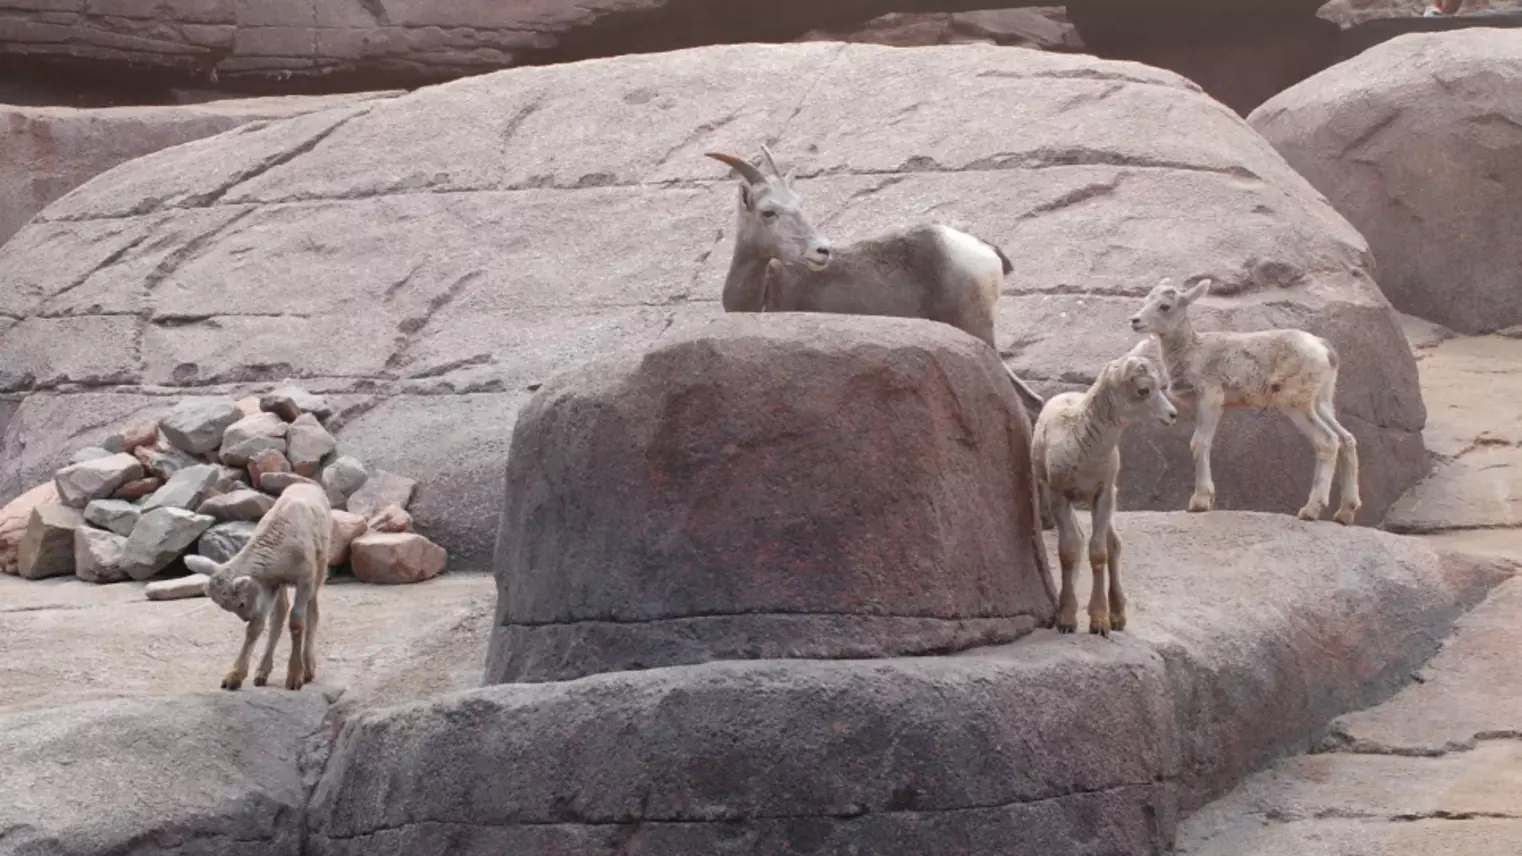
772,221
1160,312
1141,384
234,596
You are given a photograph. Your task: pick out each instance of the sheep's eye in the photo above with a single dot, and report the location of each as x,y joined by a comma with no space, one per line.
1143,392
768,214
1165,307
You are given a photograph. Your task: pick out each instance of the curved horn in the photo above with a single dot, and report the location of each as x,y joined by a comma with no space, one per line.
745,168
772,164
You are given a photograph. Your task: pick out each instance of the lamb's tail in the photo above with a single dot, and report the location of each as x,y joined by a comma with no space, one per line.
1003,259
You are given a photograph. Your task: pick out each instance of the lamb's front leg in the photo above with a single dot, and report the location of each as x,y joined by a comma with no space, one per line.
1099,562
1069,539
277,626
1207,417
239,671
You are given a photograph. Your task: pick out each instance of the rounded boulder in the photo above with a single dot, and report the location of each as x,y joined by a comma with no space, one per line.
1416,141
784,485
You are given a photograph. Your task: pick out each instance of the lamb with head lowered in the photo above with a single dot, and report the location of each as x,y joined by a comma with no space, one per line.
289,547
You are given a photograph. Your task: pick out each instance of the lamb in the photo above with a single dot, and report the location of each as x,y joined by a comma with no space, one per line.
1288,370
781,263
289,547
1075,455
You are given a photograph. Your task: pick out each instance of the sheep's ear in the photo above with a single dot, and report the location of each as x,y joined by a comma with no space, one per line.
788,179
1197,292
748,197
200,565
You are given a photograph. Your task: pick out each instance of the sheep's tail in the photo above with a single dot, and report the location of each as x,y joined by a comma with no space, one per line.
1003,259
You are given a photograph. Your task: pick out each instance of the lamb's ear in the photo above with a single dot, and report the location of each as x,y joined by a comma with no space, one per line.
200,565
747,197
1197,291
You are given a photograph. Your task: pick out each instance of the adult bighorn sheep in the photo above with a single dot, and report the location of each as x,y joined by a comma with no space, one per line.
1075,455
782,264
1287,370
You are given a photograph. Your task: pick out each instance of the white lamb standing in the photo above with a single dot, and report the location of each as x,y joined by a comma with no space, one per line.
1075,453
1289,370
289,547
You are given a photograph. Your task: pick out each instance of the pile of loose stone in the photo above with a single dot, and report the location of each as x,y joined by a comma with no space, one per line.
200,479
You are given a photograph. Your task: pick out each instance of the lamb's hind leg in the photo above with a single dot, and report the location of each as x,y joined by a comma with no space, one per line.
1325,441
309,653
1347,462
295,667
239,671
277,627
1117,595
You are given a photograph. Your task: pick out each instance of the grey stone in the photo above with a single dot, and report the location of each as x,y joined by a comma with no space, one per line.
207,773
1051,745
381,488
196,425
159,538
250,436
186,489
98,555
1345,129
165,461
90,453
178,588
233,478
97,478
290,402
117,515
223,541
243,504
685,503
47,546
308,443
276,483
344,476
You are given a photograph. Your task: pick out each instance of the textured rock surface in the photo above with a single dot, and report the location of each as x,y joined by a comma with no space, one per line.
186,489
159,537
196,426
238,505
46,548
1437,769
424,317
98,555
52,150
95,478
252,436
379,490
210,773
1416,141
395,558
769,486
1252,631
179,588
308,443
346,527
117,515
13,520
221,542
1045,28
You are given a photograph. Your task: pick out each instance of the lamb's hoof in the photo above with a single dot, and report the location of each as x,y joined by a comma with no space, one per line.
1099,628
1067,626
309,677
1199,503
293,681
1311,512
1117,622
1345,515
261,680
232,682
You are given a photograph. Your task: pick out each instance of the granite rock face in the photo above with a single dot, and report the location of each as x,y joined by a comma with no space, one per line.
765,486
414,292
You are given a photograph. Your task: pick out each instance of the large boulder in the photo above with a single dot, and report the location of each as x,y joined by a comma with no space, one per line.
793,485
424,262
192,774
52,150
1250,633
1417,141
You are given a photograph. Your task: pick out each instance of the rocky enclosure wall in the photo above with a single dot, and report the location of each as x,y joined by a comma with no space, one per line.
426,261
